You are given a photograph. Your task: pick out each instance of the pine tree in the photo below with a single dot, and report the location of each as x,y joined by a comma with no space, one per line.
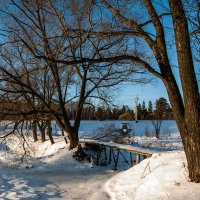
143,105
150,110
143,111
162,108
150,107
139,109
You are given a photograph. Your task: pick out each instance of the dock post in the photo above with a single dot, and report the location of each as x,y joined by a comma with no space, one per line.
97,157
105,153
118,151
110,155
137,159
131,160
115,159
99,154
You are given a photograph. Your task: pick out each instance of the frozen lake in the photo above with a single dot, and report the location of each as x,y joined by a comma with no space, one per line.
90,128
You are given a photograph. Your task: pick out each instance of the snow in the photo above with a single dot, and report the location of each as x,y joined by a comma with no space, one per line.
120,146
50,172
163,176
164,143
46,149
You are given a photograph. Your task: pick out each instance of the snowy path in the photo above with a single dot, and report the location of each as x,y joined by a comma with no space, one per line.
74,183
55,177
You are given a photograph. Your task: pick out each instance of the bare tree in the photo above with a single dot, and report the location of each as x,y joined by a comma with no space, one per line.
24,104
48,38
157,126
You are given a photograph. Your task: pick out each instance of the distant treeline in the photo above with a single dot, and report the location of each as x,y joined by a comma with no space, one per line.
160,110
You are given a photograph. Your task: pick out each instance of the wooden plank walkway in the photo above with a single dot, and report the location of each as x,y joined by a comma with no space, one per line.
102,146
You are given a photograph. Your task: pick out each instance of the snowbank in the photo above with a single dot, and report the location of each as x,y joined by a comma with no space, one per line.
163,176
47,149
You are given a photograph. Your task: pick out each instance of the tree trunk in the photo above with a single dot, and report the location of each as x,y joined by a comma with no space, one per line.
190,125
49,132
73,138
189,131
42,127
191,142
42,134
34,130
80,154
62,131
157,127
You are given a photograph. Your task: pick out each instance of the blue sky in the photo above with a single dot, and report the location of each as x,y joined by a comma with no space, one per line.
155,89
150,91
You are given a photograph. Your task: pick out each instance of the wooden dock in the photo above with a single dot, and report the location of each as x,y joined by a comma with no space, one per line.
115,150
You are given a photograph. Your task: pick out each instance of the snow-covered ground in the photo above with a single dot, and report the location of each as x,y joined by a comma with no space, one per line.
52,174
163,176
164,143
49,171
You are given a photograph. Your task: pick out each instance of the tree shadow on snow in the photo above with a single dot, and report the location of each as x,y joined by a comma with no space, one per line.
18,187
